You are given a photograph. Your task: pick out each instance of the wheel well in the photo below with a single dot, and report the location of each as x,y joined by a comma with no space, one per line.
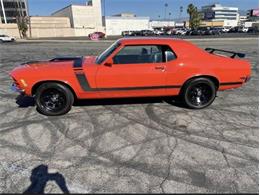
212,78
35,87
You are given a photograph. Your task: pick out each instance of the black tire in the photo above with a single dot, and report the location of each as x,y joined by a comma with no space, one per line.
198,93
53,99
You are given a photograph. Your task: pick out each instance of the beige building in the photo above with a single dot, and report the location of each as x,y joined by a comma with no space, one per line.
84,19
42,27
50,27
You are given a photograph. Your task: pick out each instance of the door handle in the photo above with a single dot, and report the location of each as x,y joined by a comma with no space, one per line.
162,68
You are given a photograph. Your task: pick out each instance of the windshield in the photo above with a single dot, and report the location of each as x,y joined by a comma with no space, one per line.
108,52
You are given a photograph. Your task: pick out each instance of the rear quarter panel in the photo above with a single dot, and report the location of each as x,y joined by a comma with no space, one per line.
193,62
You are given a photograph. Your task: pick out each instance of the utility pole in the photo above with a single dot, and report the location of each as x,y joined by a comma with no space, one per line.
165,11
3,9
29,18
181,10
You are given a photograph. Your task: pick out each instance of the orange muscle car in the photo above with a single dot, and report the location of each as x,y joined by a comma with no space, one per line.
133,67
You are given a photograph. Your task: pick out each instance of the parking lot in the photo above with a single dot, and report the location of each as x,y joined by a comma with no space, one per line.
138,145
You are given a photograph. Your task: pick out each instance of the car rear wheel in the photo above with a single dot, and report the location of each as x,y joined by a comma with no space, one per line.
199,93
53,99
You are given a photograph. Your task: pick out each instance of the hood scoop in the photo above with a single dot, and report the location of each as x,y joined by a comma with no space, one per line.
78,61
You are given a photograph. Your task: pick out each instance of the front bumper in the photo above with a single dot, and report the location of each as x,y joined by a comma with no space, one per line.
16,89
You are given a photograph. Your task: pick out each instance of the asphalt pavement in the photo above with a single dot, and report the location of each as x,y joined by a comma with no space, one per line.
130,145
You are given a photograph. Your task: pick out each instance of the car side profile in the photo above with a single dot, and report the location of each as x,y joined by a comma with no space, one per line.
6,38
133,67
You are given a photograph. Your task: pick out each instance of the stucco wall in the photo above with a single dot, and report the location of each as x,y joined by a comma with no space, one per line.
42,27
9,29
85,19
115,25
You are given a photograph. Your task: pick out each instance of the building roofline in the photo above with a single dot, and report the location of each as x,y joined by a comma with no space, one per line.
70,5
62,9
119,17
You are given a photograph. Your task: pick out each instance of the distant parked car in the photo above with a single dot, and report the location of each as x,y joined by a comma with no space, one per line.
194,32
136,33
234,29
212,31
181,31
158,32
6,38
225,29
253,30
243,29
127,33
97,35
147,33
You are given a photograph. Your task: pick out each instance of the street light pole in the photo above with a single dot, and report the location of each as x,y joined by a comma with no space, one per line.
30,28
165,11
3,9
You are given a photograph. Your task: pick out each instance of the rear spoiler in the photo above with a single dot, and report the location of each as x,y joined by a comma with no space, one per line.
234,54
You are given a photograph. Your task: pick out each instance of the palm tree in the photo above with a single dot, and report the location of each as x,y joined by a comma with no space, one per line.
194,16
191,10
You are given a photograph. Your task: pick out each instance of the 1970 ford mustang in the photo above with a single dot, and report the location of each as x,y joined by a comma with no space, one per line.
133,67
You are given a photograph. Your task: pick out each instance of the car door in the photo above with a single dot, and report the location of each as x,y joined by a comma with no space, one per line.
133,71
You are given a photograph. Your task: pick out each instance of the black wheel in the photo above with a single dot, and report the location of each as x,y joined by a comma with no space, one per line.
53,99
199,93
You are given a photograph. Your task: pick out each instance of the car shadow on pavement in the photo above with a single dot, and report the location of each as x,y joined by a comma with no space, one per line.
25,101
175,101
39,178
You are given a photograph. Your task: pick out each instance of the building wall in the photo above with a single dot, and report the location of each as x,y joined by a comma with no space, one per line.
217,12
50,22
84,19
161,24
9,29
115,25
65,12
51,27
212,23
42,27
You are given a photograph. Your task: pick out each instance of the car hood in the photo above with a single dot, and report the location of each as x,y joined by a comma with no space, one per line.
61,61
56,66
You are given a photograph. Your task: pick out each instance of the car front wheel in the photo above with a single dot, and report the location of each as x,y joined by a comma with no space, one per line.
199,93
53,99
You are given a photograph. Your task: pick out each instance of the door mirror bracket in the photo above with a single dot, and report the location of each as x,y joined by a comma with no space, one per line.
109,63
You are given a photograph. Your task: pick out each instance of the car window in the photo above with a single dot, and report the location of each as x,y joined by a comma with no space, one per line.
101,58
140,54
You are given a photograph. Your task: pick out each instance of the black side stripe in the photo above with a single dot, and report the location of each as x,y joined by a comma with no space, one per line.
231,83
86,87
78,63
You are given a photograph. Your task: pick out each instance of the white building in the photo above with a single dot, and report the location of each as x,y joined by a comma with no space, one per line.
84,19
115,25
161,23
217,12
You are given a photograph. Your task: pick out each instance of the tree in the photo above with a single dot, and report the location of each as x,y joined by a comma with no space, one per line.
21,20
195,16
22,26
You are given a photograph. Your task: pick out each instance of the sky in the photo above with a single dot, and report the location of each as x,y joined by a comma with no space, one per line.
152,8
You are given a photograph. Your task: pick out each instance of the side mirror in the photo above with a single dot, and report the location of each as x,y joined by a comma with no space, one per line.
109,62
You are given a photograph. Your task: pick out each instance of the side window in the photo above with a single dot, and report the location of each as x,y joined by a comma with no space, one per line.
169,55
140,54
